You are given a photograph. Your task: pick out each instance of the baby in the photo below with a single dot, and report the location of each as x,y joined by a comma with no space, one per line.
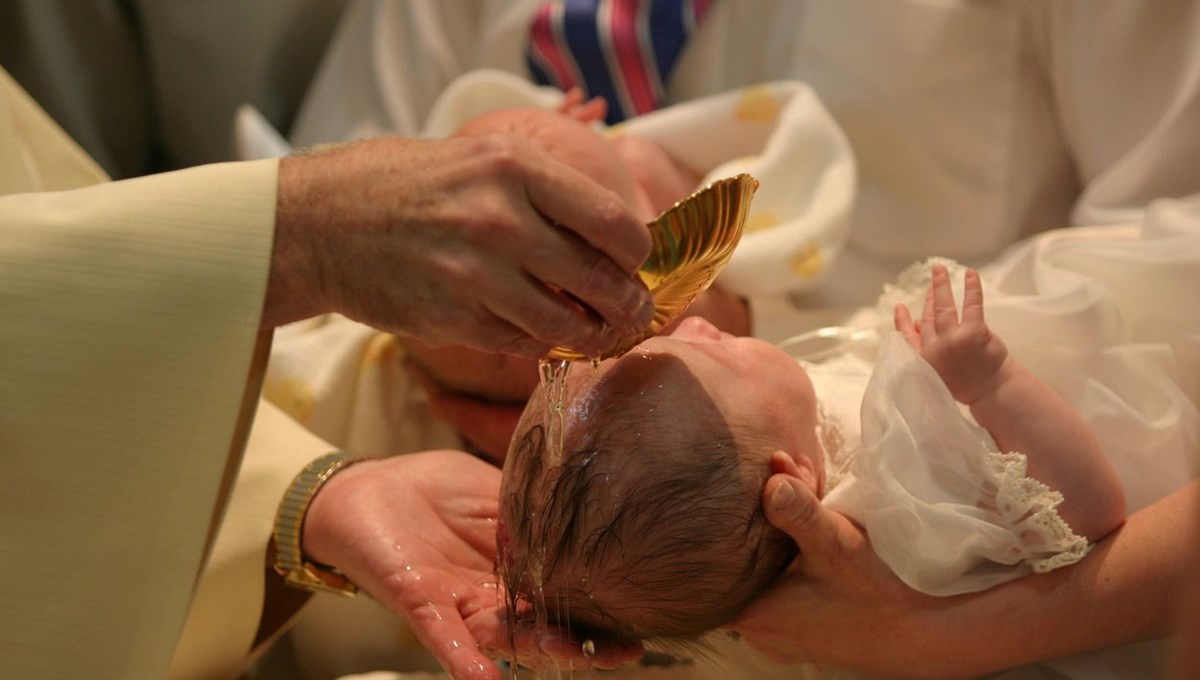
649,525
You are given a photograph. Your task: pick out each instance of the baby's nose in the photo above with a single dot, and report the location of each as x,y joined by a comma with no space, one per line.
696,328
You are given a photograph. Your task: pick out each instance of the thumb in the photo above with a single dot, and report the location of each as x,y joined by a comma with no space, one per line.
793,508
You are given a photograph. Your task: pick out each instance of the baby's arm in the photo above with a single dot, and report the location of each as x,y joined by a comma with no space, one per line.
1020,411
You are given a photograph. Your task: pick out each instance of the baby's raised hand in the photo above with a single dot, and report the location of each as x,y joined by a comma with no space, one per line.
585,111
966,354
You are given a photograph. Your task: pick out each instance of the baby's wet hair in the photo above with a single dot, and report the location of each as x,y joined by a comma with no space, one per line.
643,531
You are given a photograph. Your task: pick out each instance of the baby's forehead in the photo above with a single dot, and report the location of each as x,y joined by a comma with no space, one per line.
637,382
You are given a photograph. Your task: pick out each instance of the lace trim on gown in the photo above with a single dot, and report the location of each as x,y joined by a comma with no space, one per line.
1031,508
838,456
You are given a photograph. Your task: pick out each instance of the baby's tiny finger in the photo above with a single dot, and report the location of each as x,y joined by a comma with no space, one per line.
972,298
945,315
926,328
904,325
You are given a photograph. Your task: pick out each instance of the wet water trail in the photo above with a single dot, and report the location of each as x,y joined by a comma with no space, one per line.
553,375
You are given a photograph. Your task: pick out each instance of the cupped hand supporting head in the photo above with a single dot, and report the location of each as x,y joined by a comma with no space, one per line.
418,533
481,241
838,604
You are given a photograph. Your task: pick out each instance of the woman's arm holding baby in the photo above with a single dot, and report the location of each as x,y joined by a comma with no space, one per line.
1018,409
840,605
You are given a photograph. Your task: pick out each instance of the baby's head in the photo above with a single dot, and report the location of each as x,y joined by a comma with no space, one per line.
569,139
651,525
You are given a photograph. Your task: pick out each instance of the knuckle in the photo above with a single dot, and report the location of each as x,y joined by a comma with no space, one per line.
500,154
610,210
611,218
524,345
601,280
560,326
497,228
460,270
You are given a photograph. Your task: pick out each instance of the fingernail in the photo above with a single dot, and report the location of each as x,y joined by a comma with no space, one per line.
783,497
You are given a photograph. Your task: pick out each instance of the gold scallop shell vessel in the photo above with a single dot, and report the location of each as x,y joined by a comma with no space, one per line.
693,241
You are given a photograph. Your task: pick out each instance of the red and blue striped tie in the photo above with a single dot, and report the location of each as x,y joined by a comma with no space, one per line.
621,50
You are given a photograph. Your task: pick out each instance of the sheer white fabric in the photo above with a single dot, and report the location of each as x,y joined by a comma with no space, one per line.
1107,317
1103,315
944,508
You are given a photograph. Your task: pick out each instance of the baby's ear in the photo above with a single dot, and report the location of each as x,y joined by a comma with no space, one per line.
784,463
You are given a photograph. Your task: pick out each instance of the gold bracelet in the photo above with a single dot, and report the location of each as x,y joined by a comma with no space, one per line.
289,525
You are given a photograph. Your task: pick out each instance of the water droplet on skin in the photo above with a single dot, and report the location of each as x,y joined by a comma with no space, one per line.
398,548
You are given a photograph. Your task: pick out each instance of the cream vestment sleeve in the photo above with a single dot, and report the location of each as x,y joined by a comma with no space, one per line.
132,312
228,602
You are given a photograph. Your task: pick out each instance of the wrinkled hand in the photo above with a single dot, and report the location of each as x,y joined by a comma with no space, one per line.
966,354
838,604
417,532
480,241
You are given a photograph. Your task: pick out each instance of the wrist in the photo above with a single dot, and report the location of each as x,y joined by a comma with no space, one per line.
294,559
992,388
295,284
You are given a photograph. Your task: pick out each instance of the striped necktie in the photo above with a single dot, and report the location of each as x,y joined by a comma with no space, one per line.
621,50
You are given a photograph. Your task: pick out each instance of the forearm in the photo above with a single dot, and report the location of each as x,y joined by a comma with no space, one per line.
1125,590
1023,414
